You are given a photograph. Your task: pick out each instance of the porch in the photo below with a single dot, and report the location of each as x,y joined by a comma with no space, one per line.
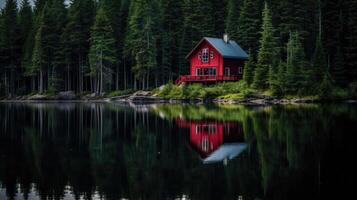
204,79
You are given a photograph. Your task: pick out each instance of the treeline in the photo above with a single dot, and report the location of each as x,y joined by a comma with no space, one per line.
103,45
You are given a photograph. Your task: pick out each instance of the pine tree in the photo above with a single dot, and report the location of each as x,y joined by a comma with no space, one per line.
281,79
319,64
249,25
293,17
26,23
2,53
295,64
339,67
75,41
113,10
102,51
248,73
172,25
268,54
55,18
141,42
12,46
351,40
219,16
338,70
38,61
232,19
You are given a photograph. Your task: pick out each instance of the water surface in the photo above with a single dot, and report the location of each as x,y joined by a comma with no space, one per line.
109,151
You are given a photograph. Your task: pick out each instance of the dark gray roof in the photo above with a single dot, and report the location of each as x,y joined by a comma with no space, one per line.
228,50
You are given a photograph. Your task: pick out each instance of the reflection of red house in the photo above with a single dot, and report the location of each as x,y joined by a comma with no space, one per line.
207,136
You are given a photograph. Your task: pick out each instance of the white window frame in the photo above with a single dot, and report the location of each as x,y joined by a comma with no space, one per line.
199,70
240,70
205,55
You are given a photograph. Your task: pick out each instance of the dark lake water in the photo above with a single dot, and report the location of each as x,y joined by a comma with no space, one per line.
108,151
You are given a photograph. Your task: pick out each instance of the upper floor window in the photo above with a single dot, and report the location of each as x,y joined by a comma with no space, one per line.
205,55
212,55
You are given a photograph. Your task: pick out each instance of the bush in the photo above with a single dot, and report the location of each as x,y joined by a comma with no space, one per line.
176,92
353,90
166,89
339,93
119,93
189,91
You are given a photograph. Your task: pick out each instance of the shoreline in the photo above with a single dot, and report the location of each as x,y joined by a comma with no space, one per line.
158,100
147,97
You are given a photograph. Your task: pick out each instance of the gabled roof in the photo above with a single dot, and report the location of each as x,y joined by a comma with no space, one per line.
229,50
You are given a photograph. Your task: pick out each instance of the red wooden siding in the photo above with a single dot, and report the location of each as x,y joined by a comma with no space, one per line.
216,62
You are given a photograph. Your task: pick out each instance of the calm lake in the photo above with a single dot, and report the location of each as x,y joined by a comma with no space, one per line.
109,151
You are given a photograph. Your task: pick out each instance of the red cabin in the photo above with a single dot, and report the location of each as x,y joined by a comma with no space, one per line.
215,60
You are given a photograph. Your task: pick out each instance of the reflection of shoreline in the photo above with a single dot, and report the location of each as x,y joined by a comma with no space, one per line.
215,141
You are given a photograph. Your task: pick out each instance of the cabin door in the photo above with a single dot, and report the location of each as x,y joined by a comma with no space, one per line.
227,71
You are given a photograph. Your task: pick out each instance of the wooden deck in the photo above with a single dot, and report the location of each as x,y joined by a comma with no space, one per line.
204,79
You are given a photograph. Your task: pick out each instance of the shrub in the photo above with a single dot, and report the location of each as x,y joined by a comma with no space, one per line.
353,90
339,93
166,89
119,93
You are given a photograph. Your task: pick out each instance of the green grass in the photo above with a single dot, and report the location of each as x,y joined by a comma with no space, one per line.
118,93
234,90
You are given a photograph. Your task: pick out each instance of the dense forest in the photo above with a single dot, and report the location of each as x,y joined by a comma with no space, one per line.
97,46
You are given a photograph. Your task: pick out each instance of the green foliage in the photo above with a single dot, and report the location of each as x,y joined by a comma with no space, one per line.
232,24
338,69
191,91
319,64
248,74
249,22
47,47
296,64
102,52
353,89
119,93
268,54
325,89
141,41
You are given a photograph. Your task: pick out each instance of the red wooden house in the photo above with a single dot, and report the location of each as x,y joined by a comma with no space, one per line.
215,60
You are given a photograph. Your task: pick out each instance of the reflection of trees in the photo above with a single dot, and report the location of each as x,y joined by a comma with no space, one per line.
116,152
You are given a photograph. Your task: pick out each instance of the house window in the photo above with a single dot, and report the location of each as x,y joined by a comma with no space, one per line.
198,71
205,55
240,70
210,71
212,55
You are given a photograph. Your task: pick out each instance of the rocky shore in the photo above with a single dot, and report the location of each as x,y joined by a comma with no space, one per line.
148,97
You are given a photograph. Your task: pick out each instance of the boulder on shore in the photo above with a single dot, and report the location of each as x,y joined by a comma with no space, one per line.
38,97
66,95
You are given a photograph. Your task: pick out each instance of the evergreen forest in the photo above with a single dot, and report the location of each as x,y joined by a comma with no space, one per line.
98,46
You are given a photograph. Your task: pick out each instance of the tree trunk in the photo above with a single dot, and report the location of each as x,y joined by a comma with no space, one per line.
68,79
125,78
41,82
101,72
117,78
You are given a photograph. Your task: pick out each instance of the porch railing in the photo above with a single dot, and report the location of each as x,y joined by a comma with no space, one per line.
205,78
